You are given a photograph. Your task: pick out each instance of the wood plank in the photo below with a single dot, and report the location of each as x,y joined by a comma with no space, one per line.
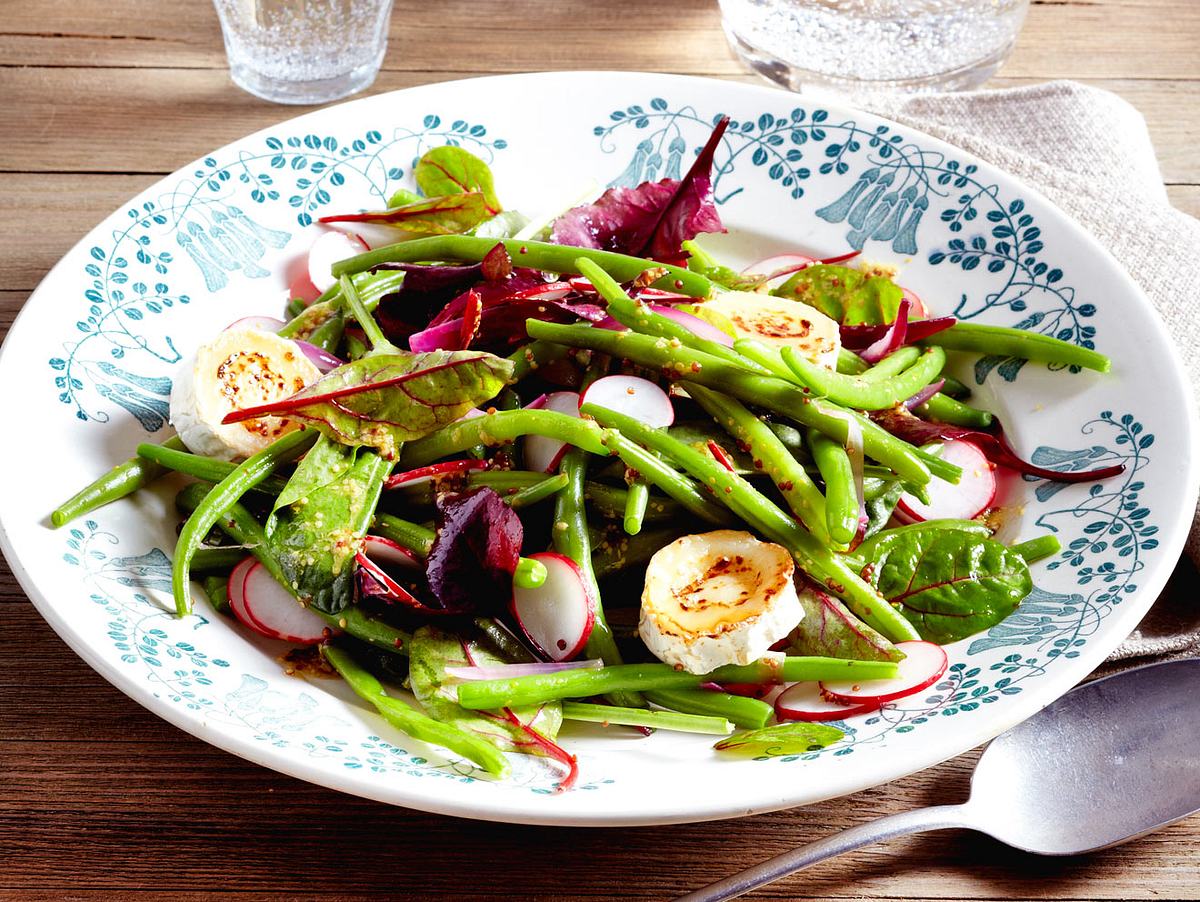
1060,39
83,117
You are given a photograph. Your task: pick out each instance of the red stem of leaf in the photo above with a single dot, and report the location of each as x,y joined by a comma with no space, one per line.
472,317
719,453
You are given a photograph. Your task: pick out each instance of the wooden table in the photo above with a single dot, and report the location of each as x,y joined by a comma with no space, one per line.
102,801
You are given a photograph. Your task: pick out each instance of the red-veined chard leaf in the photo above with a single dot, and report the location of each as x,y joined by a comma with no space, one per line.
386,398
452,170
473,558
442,215
529,730
849,296
794,738
828,628
950,584
316,535
653,219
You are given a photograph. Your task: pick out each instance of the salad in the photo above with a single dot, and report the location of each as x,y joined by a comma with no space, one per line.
576,469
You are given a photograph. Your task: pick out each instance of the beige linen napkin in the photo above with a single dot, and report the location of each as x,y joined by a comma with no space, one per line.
1089,151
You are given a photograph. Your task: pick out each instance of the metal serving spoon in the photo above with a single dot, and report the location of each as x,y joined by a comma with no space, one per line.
1108,762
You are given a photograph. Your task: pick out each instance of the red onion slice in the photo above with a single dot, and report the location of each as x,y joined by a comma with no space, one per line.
321,359
924,394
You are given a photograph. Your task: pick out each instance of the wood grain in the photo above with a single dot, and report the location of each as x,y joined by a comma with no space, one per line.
103,801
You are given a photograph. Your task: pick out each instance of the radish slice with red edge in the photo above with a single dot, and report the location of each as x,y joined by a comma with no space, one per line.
541,452
422,475
971,497
273,611
237,597
805,701
303,288
923,665
387,553
260,323
557,616
328,249
633,396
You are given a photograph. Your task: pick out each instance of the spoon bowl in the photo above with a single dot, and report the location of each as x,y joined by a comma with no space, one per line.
1110,761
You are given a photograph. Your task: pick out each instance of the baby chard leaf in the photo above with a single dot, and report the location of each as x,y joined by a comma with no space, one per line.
850,296
386,398
794,738
949,583
316,536
442,215
452,170
828,628
529,730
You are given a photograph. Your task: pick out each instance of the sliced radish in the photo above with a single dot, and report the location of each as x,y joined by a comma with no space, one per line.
237,597
965,501
923,665
260,323
373,234
779,265
303,288
805,701
271,610
633,396
543,453
328,249
558,615
422,475
387,553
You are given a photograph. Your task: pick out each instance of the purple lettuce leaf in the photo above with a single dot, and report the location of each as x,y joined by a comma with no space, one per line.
473,558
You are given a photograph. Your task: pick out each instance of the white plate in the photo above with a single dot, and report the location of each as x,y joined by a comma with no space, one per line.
86,371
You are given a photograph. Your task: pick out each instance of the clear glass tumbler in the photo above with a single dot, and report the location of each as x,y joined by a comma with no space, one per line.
864,45
304,51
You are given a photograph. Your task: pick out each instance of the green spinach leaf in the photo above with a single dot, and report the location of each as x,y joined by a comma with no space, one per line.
452,170
316,537
950,583
829,629
794,738
529,730
847,295
325,462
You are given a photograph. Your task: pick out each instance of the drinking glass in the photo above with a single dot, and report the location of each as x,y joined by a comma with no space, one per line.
857,45
304,51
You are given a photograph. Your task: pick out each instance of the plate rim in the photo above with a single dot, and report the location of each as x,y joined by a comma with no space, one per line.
516,808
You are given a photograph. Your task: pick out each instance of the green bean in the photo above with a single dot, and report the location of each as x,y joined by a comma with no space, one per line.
850,363
529,574
571,539
945,409
529,357
841,494
539,491
641,717
637,499
747,713
412,722
361,315
505,482
246,475
413,536
295,306
242,526
217,590
616,552
1005,342
506,643
207,468
1034,550
328,335
538,688
676,486
893,364
766,357
954,388
770,454
122,480
372,286
609,501
861,393
217,557
640,318
764,391
499,427
559,258
814,558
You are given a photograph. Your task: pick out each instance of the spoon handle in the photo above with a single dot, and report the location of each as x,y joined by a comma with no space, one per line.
941,817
